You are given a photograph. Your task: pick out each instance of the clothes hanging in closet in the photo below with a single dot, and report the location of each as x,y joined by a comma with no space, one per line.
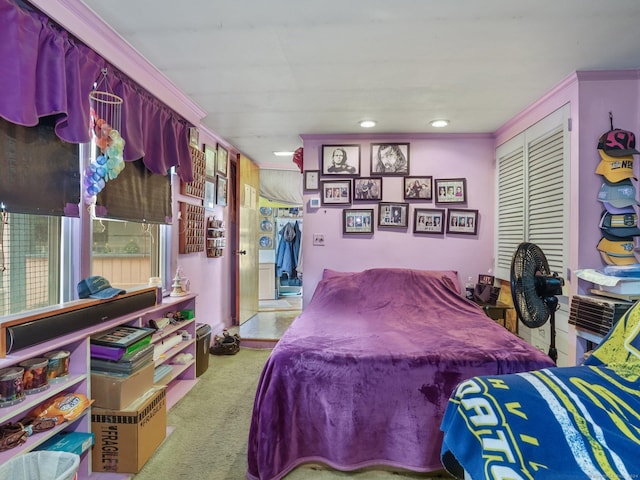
288,249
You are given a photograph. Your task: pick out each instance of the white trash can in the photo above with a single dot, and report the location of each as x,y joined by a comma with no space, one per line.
41,465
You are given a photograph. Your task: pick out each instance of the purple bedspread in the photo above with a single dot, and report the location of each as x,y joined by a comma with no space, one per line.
362,377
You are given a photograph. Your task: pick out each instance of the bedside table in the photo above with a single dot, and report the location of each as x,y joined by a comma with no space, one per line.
498,312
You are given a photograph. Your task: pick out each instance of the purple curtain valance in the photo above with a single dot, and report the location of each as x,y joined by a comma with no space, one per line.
44,71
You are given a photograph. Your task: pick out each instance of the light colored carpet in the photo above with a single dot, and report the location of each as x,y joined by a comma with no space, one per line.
211,429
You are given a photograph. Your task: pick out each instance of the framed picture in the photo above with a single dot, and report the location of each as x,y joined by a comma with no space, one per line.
341,160
462,221
389,159
209,195
357,221
393,214
312,180
210,161
429,220
221,190
418,188
194,137
336,192
367,189
451,190
221,161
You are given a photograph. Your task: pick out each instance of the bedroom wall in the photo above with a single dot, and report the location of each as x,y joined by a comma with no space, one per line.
440,156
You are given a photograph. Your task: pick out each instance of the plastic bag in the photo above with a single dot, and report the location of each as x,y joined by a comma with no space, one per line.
41,465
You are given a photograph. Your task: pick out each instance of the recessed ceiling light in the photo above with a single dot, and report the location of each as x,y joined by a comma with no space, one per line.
367,123
439,123
283,153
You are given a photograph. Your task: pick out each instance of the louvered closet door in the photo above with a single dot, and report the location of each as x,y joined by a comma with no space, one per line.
511,208
532,198
547,198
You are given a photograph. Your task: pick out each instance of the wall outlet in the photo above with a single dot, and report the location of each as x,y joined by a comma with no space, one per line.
318,239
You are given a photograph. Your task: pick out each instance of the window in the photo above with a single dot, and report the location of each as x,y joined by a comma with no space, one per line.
29,262
126,253
532,201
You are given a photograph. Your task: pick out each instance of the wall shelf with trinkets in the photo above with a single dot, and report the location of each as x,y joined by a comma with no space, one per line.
199,165
192,228
216,237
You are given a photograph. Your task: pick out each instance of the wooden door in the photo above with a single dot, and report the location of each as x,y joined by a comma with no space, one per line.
247,245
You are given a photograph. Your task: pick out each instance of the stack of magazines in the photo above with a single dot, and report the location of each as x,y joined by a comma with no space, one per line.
122,350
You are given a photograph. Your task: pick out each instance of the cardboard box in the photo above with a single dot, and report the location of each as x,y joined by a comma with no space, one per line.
126,439
118,392
71,442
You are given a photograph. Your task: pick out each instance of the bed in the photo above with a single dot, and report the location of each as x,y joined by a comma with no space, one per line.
362,377
558,423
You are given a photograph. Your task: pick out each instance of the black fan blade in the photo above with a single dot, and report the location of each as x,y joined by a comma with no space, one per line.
529,262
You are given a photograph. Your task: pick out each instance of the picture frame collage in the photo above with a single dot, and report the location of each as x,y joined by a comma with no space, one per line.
339,182
216,170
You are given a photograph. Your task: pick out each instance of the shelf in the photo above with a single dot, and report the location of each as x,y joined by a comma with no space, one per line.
179,381
38,439
30,402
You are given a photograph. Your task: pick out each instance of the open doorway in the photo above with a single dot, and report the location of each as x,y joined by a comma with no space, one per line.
280,256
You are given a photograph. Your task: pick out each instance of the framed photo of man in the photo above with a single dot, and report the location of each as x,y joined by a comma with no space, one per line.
341,160
429,220
389,159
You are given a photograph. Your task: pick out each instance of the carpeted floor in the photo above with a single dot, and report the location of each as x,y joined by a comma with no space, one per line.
211,428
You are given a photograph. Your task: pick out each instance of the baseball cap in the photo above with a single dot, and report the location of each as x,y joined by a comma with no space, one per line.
612,260
97,287
615,169
617,251
619,225
618,143
621,194
611,209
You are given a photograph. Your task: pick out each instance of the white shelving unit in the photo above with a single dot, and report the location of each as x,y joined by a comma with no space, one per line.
178,383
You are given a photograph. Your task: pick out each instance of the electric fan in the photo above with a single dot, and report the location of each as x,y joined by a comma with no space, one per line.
534,290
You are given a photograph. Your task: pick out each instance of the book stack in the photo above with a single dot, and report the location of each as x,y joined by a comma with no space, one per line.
122,350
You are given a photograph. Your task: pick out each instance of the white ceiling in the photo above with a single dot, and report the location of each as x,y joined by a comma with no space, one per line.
266,71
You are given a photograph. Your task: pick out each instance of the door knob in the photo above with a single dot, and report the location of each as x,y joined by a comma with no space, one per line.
241,252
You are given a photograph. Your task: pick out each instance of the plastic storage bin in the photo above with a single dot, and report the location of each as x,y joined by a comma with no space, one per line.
41,465
203,342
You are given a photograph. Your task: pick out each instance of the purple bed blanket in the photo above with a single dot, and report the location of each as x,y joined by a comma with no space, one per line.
362,377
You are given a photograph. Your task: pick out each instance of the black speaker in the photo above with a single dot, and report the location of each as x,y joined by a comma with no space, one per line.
64,320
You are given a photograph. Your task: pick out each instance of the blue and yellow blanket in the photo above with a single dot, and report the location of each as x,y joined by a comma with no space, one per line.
557,423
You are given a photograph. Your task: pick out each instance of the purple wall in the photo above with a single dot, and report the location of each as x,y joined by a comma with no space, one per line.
439,156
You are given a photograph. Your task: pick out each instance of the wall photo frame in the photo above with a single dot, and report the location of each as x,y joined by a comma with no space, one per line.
451,190
221,190
429,221
389,159
336,192
221,160
312,180
357,221
462,221
210,154
209,195
367,189
341,160
194,137
418,188
393,214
